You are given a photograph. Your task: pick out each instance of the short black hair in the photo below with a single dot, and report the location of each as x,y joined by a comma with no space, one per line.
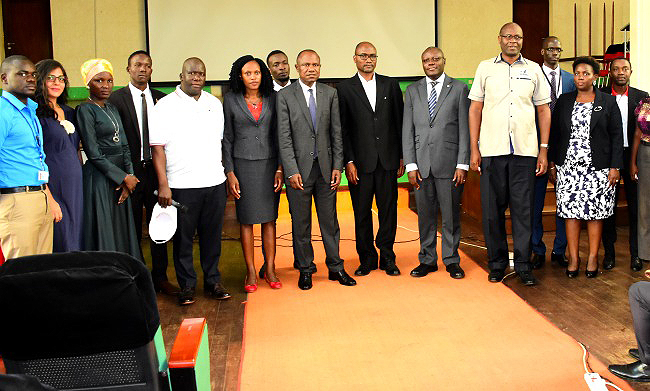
588,61
146,53
43,70
236,82
11,61
620,58
273,53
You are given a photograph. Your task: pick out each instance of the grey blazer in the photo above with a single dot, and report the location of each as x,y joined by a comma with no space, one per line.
439,145
296,133
245,138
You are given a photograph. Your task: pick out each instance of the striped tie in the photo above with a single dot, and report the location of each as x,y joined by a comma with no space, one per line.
433,99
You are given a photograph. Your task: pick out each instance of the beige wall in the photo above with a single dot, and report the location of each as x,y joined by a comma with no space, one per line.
467,32
118,32
640,31
561,24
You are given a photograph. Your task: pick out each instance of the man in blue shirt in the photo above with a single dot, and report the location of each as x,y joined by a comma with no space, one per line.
26,205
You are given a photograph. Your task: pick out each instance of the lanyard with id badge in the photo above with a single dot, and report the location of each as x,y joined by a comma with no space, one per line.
43,174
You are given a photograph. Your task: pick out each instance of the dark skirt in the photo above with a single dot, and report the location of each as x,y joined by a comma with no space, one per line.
258,203
107,225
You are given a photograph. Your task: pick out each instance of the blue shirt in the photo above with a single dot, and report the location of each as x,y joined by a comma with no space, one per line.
21,143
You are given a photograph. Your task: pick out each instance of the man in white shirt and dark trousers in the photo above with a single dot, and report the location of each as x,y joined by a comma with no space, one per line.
186,139
628,98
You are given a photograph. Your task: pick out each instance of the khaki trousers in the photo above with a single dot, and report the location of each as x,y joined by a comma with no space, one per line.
26,224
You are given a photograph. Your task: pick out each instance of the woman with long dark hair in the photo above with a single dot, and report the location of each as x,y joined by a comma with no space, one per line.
61,145
250,157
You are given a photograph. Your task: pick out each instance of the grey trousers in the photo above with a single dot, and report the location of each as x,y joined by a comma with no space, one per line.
437,193
643,188
300,205
639,296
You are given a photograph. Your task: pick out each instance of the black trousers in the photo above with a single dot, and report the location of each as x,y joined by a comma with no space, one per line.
300,204
508,181
382,185
609,227
639,296
206,207
142,197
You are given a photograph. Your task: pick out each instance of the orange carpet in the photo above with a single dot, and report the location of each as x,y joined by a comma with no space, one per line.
400,333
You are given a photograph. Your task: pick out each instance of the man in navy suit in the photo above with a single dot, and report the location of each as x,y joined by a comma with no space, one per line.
560,82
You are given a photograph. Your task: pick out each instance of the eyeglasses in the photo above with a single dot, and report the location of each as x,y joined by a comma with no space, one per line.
365,56
52,78
508,37
554,50
25,74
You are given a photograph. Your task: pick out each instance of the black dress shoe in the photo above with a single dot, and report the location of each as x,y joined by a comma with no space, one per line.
186,296
636,264
455,271
634,353
390,268
362,270
636,371
422,270
304,281
496,275
166,287
560,259
527,278
217,291
609,262
538,260
342,277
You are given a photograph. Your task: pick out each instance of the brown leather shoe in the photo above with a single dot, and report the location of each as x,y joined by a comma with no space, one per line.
166,287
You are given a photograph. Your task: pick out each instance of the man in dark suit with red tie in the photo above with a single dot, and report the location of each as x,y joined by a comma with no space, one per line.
371,121
134,102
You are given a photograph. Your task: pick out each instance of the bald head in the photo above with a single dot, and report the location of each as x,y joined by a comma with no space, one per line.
433,50
308,66
365,58
364,45
508,26
551,51
306,52
193,77
13,62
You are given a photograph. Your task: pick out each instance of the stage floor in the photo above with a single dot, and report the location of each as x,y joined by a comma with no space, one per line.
594,311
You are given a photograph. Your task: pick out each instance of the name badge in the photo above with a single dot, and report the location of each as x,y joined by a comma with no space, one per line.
43,176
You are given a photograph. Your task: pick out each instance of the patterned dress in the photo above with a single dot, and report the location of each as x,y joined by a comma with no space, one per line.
582,191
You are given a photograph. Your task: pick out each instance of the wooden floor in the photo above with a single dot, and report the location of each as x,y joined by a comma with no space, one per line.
593,311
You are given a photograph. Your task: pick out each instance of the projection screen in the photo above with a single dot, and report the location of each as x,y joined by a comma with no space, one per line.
220,31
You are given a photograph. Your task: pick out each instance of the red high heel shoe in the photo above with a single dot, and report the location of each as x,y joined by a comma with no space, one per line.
272,284
250,288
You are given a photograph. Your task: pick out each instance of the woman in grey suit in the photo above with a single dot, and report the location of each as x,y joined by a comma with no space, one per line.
250,158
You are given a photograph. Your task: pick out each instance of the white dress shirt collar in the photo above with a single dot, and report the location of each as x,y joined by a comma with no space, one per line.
370,87
136,96
277,87
558,78
305,91
440,81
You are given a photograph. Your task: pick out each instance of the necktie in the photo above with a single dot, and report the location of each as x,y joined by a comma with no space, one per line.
433,99
553,90
146,149
312,111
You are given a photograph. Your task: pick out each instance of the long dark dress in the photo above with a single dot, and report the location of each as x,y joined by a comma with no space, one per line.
65,181
108,226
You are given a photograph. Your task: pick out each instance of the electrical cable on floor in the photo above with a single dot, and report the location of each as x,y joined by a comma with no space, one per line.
588,369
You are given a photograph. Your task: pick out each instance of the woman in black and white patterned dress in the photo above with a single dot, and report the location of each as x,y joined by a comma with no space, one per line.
586,152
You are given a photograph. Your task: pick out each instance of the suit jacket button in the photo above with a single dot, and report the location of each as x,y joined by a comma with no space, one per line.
311,153
377,138
431,125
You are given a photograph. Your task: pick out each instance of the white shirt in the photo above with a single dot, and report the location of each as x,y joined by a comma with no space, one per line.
277,87
558,78
136,94
191,131
441,81
305,91
622,101
370,87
